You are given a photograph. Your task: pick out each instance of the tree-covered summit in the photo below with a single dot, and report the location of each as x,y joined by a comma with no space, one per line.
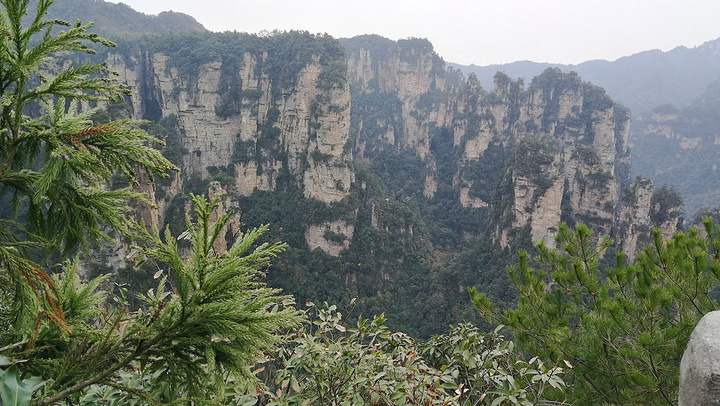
118,20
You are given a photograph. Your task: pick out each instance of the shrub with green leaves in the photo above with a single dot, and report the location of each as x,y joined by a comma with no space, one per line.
13,389
329,363
486,369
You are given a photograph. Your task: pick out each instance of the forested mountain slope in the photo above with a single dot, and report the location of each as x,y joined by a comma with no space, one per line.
118,20
393,179
679,147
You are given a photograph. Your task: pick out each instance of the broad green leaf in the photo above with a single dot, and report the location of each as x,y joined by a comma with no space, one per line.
15,391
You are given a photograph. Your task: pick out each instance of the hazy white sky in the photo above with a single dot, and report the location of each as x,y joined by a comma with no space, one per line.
482,32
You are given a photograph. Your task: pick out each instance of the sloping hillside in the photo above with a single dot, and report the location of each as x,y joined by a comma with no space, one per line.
118,20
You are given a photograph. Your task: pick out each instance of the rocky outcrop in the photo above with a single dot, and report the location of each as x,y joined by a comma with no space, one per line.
700,364
634,221
542,213
566,140
238,117
226,206
312,135
467,201
249,177
331,237
562,142
410,71
409,78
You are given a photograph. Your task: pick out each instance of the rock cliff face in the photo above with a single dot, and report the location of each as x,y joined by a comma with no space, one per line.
634,218
311,137
644,208
568,142
526,157
260,132
388,176
409,71
561,144
396,86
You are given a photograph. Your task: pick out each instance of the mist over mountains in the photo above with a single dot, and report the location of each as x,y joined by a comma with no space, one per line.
678,88
641,81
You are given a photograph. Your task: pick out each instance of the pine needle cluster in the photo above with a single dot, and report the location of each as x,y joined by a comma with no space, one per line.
54,163
624,328
207,321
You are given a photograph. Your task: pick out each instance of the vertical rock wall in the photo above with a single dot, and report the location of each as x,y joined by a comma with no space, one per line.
307,138
584,133
211,139
634,219
573,136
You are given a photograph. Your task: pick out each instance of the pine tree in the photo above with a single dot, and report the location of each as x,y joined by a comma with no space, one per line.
623,334
207,321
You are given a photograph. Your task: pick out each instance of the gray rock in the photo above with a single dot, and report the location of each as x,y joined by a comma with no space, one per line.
700,365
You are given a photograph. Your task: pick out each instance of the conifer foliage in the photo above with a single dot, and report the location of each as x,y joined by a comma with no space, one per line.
623,333
219,311
54,162
202,327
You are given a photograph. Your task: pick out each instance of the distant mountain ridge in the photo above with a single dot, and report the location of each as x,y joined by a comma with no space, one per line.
641,81
116,20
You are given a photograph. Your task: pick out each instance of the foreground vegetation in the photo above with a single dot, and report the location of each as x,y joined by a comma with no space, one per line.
211,332
623,328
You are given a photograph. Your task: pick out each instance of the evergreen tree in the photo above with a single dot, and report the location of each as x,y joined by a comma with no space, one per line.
199,331
623,334
209,317
53,162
